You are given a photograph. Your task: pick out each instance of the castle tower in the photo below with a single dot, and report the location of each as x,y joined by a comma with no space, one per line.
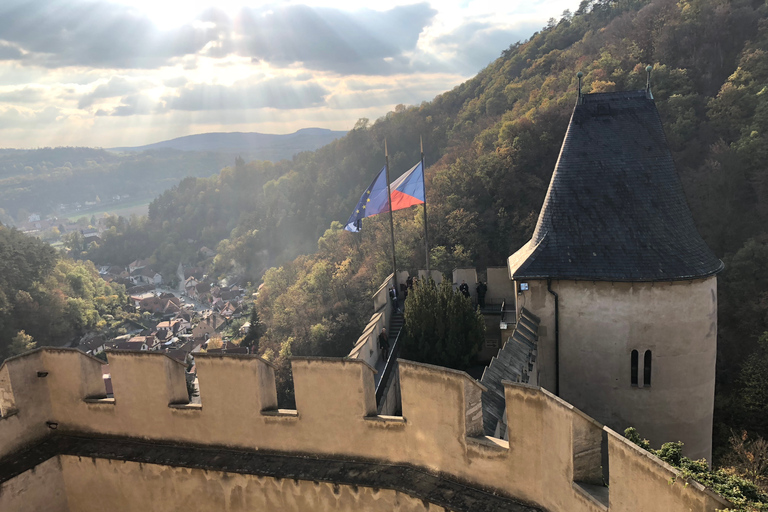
623,282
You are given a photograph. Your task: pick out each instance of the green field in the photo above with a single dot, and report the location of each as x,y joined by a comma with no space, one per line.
137,207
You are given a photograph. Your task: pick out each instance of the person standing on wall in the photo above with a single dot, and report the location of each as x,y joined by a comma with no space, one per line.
464,288
384,343
393,296
481,289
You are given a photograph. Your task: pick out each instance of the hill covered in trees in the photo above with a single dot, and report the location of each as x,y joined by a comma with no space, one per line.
491,146
53,180
49,299
252,145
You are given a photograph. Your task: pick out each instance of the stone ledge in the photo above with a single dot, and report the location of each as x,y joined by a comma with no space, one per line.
383,421
489,442
186,407
100,401
596,494
281,413
9,413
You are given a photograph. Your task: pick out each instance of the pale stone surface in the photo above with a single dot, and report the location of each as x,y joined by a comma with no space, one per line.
97,485
38,490
335,418
499,286
601,323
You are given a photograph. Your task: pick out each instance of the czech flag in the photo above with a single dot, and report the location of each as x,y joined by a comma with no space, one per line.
373,201
408,189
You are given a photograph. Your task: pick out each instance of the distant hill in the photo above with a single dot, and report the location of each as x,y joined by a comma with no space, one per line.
251,146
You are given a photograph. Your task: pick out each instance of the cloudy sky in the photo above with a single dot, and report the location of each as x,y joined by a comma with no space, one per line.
131,72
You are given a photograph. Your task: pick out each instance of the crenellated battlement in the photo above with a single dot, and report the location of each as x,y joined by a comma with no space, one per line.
552,452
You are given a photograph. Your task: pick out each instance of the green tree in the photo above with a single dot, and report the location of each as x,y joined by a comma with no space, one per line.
21,343
752,393
441,326
252,337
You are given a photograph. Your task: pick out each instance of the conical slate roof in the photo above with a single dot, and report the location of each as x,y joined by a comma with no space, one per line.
615,209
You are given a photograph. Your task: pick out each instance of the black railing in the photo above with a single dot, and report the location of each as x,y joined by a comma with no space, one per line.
491,306
389,367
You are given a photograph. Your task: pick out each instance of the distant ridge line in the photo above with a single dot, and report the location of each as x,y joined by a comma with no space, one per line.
284,145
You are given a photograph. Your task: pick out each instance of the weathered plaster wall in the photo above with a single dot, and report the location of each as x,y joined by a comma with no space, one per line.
601,323
21,385
38,490
652,477
542,304
366,348
96,485
499,285
440,429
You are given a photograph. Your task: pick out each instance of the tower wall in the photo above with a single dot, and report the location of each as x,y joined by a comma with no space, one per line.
601,323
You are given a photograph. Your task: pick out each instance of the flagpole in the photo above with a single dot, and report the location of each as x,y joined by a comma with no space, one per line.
424,189
391,217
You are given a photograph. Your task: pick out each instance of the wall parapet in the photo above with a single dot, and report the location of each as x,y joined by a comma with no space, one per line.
440,429
366,346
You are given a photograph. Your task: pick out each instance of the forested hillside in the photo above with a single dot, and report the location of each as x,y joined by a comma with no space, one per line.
491,145
250,145
46,299
42,180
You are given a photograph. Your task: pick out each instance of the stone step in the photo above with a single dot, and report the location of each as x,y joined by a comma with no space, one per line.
531,326
529,315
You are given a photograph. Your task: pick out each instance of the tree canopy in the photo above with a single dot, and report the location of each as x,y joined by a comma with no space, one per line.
47,300
441,326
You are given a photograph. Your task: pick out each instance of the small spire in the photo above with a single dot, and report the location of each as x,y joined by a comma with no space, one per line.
648,93
579,75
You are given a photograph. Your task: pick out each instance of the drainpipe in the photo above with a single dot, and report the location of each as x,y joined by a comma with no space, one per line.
557,336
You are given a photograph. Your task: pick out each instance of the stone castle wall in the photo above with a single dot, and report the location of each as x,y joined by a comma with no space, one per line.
551,445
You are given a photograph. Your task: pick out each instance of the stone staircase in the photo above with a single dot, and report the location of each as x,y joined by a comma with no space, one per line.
396,322
514,362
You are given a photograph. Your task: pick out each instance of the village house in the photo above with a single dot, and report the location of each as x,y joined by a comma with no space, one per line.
92,345
189,285
208,326
137,265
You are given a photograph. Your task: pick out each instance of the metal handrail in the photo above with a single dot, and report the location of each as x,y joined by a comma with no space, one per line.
389,367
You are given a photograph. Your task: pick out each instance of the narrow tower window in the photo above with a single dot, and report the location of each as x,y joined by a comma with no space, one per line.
647,368
634,368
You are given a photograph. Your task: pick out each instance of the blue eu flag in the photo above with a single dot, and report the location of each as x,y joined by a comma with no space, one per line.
373,201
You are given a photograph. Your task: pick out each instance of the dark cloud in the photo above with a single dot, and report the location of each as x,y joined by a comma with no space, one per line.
57,33
9,51
475,44
279,93
117,86
360,42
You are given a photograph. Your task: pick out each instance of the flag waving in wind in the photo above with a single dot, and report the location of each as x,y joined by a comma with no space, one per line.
373,201
408,189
